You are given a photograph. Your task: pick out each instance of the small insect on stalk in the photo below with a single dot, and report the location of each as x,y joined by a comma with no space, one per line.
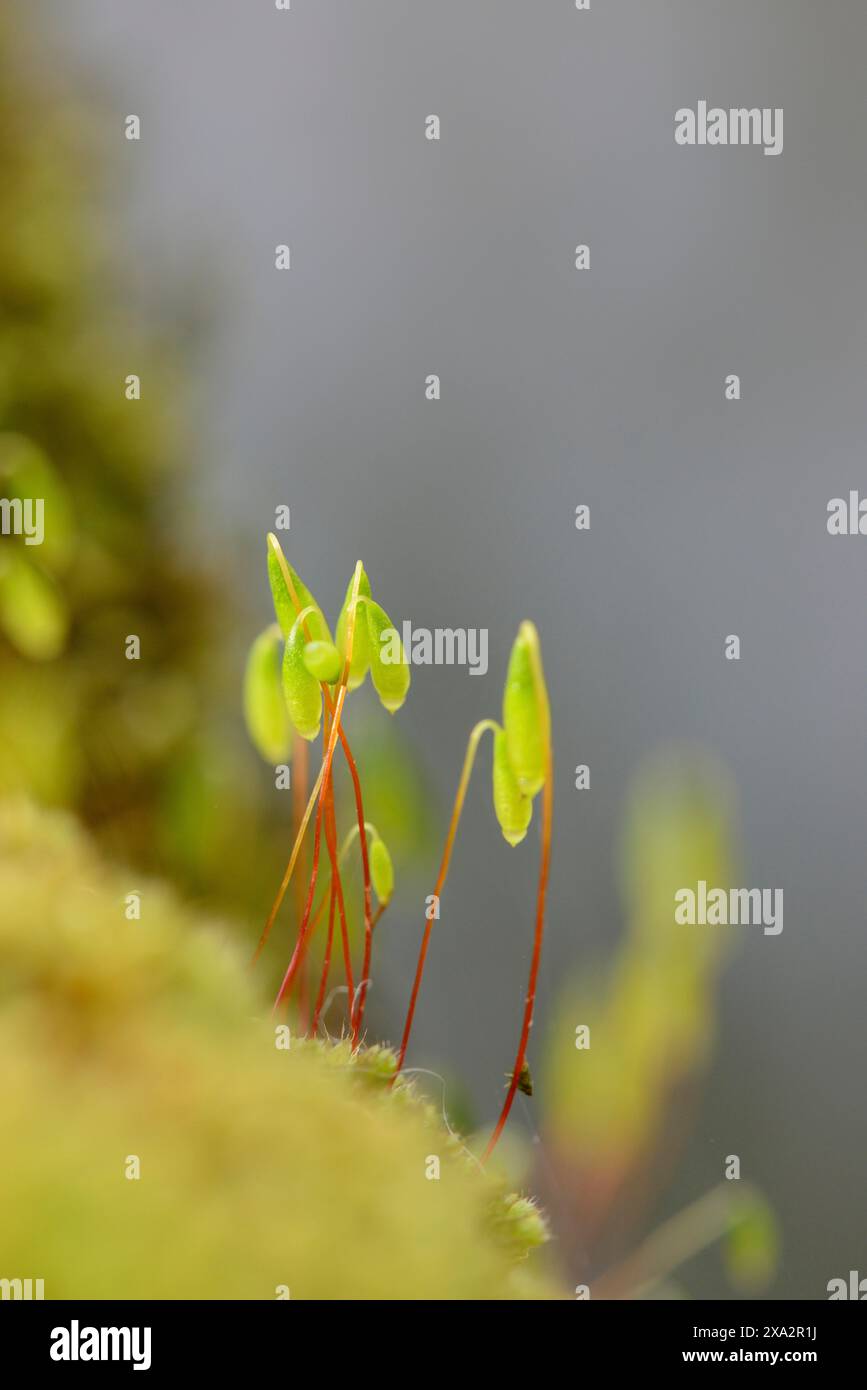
525,1080
522,767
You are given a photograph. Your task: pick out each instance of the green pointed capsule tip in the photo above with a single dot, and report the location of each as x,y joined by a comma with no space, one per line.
284,607
513,809
265,712
360,645
302,691
381,870
389,668
322,660
526,717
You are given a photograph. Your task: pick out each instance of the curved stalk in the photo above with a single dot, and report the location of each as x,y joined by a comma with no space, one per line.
290,867
301,941
357,1011
680,1238
301,765
472,748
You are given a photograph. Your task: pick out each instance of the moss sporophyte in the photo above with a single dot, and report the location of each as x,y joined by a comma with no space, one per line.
296,674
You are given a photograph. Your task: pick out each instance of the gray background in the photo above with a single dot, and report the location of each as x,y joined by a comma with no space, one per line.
558,388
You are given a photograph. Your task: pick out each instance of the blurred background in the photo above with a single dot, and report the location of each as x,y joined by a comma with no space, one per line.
605,388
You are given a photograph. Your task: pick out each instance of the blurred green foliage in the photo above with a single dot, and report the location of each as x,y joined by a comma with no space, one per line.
651,1021
614,1110
752,1245
150,753
79,724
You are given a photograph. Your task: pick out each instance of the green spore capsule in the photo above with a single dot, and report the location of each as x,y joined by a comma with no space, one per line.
381,870
360,642
513,809
322,660
389,668
301,689
265,712
525,711
283,605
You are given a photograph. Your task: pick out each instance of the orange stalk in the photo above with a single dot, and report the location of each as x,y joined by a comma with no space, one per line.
466,772
529,1003
290,867
331,837
331,841
326,963
300,761
301,942
368,920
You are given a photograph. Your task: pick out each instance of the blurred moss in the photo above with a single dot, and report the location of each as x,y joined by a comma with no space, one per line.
32,612
260,1167
106,469
151,754
80,725
651,1015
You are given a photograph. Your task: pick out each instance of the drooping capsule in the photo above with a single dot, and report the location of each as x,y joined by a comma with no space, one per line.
283,605
265,712
526,717
513,809
302,690
389,668
360,642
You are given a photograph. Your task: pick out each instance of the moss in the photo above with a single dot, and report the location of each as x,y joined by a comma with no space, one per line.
260,1166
